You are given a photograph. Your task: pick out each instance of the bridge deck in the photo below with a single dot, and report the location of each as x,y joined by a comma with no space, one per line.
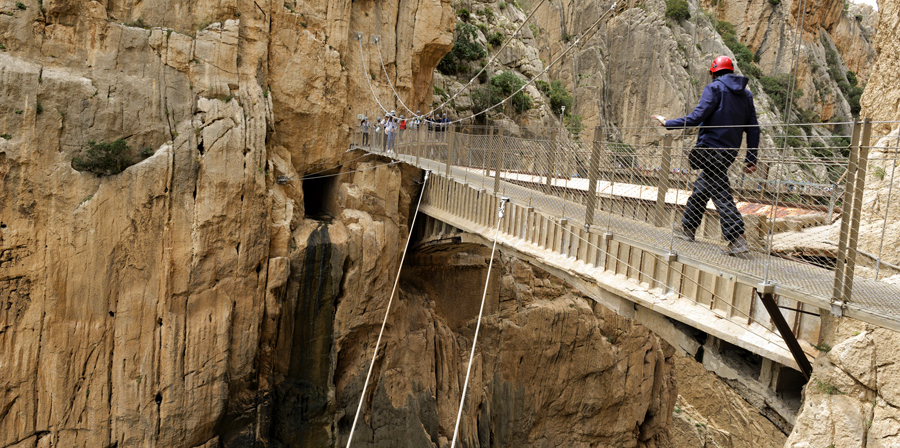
873,301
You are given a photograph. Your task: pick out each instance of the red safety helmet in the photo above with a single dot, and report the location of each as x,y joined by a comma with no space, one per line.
721,63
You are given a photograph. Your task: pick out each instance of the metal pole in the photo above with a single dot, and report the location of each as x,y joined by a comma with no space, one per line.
593,173
449,149
499,153
836,295
858,189
663,181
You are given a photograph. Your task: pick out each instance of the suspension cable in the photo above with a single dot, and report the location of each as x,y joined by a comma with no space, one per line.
362,58
488,64
386,75
487,282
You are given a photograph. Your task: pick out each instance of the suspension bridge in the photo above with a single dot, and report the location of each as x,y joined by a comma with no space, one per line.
621,234
600,214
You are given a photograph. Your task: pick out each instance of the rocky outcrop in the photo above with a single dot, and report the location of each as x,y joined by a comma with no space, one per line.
850,400
551,368
709,413
881,100
137,307
608,81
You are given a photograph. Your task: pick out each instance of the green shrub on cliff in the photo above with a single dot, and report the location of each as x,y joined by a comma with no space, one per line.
677,9
464,49
744,57
106,159
508,82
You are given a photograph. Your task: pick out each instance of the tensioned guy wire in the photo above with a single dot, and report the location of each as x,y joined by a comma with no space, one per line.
362,58
362,396
487,282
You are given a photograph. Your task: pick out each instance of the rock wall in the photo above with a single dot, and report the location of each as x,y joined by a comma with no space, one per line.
637,45
551,368
138,308
709,413
881,100
850,400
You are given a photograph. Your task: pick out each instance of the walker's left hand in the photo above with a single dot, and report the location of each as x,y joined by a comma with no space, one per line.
750,169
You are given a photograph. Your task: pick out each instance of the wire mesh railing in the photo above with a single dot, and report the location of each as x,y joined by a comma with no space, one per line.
814,214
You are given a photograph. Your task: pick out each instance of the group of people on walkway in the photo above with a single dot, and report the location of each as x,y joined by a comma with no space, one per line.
390,128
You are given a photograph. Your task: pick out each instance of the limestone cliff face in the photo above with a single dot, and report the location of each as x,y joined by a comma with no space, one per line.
851,402
551,368
638,46
137,308
881,100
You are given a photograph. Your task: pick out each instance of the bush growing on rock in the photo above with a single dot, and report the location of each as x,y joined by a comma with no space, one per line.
777,88
744,57
508,83
677,9
106,159
464,49
559,97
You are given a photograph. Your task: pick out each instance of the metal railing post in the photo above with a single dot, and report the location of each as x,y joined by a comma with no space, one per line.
551,159
449,143
593,174
846,211
663,181
499,152
489,152
858,189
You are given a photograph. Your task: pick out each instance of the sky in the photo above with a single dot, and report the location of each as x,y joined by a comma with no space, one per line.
871,3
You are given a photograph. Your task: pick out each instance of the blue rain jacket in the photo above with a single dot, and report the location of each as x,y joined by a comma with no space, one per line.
725,102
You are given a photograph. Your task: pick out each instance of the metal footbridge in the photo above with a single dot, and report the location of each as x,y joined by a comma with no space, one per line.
599,215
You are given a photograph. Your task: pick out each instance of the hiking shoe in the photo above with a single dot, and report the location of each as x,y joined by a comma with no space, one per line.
682,234
737,247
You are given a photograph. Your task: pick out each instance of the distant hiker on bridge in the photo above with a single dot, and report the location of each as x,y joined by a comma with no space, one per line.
725,113
364,124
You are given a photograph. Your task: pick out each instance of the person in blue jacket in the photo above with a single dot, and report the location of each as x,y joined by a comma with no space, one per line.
725,113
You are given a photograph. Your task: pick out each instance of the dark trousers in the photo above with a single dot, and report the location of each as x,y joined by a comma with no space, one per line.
713,183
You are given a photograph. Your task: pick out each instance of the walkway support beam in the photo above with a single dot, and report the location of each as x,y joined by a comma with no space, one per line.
593,174
767,296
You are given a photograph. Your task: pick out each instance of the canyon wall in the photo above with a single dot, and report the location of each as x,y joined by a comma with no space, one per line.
197,300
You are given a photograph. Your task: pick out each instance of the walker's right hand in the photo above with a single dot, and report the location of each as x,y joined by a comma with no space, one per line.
660,119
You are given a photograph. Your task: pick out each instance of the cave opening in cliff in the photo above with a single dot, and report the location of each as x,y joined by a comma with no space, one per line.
318,195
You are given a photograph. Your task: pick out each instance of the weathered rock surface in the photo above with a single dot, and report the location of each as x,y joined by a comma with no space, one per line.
881,100
551,368
138,308
709,413
851,399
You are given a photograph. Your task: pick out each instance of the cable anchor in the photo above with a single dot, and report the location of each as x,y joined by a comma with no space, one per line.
502,211
358,35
